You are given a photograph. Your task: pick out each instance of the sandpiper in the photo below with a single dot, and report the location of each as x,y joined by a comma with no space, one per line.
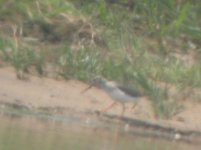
119,94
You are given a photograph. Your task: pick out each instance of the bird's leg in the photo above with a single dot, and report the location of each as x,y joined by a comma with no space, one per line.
134,105
109,107
123,110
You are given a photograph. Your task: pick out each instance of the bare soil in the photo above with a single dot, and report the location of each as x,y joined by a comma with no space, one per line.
44,93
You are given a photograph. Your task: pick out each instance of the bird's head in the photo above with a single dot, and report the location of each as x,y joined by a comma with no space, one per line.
98,81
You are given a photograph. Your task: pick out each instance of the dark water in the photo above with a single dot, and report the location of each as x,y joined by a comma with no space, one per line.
31,133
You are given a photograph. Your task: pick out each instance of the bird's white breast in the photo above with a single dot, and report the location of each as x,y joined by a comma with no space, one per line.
115,93
120,96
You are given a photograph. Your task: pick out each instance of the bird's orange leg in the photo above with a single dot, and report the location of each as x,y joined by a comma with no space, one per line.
109,107
123,110
133,107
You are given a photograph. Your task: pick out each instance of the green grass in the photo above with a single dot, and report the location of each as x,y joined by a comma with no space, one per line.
22,57
137,46
83,65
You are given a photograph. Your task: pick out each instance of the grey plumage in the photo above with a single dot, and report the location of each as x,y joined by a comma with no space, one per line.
118,93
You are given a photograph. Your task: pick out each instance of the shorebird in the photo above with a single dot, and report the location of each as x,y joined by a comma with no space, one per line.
120,94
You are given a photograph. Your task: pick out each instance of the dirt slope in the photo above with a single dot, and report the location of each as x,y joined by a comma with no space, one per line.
50,93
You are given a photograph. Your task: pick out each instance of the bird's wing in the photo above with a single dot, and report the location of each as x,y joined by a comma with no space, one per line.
129,91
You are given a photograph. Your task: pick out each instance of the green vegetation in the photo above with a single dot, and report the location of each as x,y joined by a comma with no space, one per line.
152,44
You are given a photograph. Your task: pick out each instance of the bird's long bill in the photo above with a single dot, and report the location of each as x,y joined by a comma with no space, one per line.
90,86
